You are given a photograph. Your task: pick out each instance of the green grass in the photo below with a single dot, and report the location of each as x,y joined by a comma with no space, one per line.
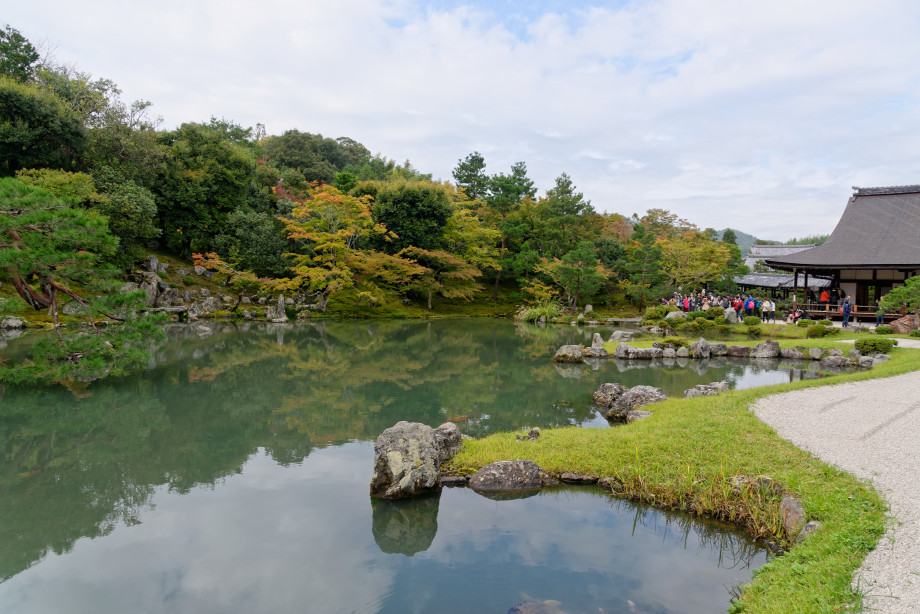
684,457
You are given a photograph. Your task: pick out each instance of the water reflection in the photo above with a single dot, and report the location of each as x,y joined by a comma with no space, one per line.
405,526
124,464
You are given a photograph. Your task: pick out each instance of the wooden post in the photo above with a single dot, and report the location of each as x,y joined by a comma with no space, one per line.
806,289
795,289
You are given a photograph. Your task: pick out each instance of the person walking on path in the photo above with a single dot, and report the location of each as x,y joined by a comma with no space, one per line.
846,309
879,314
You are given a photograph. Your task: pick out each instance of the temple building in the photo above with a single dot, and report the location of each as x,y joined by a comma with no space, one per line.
875,246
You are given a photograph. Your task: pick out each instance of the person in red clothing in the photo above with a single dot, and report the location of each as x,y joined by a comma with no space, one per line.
825,297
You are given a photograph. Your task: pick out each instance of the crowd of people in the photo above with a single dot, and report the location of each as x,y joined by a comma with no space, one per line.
828,300
743,304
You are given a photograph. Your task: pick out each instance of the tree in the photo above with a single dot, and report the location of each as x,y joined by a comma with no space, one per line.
129,208
664,224
61,247
17,55
447,274
642,265
334,227
567,218
729,237
470,175
415,212
206,179
692,260
37,130
578,273
506,192
903,297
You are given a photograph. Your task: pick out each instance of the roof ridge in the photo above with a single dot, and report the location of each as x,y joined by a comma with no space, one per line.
897,189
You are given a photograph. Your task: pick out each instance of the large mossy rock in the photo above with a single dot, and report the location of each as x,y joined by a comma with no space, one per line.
699,349
607,394
449,441
767,349
504,476
407,461
634,398
570,353
730,316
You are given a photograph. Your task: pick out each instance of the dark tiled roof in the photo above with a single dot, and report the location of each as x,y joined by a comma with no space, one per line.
880,228
780,280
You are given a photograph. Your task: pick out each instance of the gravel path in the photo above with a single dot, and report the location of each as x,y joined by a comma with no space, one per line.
870,429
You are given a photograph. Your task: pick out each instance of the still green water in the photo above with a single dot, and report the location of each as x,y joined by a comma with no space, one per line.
232,476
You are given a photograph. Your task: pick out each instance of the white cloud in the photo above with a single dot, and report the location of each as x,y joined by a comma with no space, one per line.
741,114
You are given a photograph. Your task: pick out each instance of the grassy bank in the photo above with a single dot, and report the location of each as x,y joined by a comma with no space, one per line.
684,457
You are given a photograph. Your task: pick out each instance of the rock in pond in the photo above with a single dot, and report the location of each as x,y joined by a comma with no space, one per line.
835,362
634,398
793,354
739,351
718,349
449,442
767,349
699,349
606,394
504,476
406,461
570,353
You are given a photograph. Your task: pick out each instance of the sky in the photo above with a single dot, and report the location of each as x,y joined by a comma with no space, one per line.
759,116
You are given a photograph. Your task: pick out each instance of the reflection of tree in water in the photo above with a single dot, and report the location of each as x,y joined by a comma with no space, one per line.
76,462
736,550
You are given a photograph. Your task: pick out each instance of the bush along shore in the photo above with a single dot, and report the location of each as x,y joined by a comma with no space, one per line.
710,456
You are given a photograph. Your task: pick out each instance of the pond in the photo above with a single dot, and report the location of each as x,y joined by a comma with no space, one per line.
232,476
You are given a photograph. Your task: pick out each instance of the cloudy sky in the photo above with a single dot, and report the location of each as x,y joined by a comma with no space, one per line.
754,115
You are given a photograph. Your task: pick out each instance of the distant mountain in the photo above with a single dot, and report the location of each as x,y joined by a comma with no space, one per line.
743,239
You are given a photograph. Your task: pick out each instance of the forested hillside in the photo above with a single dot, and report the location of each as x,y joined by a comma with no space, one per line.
324,217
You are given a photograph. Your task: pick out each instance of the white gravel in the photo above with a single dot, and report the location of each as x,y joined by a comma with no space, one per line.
870,429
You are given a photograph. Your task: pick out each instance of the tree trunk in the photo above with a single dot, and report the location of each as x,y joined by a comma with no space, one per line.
429,298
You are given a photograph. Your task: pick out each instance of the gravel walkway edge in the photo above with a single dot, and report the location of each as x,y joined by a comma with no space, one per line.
870,429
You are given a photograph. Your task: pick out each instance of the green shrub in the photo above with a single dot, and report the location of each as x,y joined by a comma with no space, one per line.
704,323
753,330
826,323
654,313
882,329
914,333
669,308
533,312
875,345
693,325
581,318
724,329
677,342
162,275
693,315
816,331
805,322
752,321
188,280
